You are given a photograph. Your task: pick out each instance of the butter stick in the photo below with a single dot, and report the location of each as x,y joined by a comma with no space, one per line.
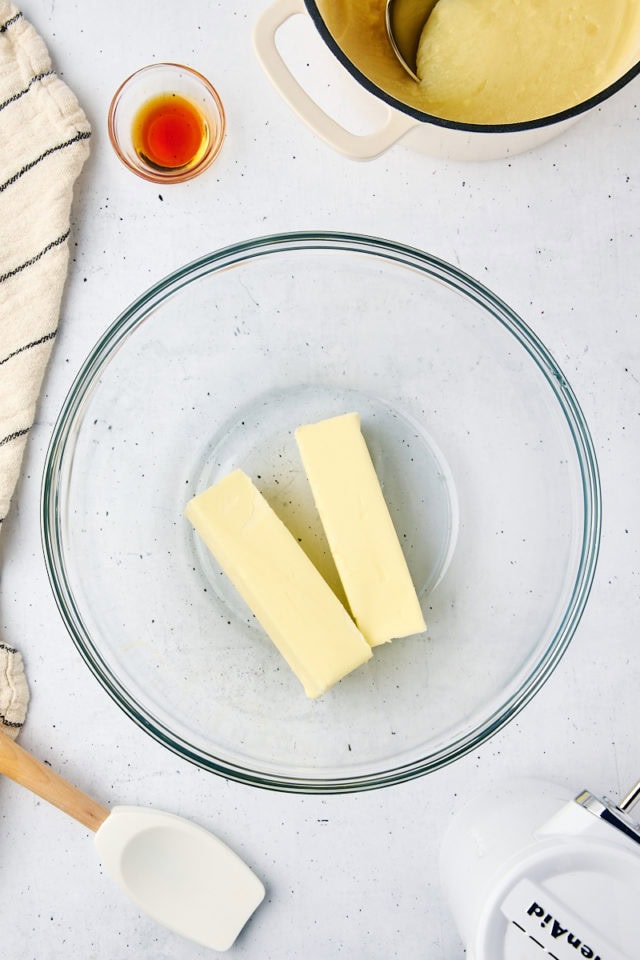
300,613
359,529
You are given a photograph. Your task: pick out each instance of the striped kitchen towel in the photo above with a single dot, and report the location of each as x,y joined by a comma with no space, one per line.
14,693
43,145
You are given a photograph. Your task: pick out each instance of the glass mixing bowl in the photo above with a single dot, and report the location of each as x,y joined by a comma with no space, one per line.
485,460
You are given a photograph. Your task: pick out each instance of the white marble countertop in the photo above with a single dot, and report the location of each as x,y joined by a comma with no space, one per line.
555,233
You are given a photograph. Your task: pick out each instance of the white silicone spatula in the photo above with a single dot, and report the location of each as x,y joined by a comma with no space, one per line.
178,873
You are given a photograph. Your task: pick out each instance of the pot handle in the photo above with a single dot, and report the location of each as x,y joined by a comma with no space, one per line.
357,146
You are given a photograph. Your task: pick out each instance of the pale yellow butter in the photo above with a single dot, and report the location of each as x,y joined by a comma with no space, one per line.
359,529
503,61
300,613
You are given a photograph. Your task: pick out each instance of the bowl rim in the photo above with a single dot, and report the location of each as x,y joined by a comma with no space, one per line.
571,113
70,417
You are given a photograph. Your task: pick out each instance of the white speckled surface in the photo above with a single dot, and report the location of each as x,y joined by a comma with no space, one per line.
555,233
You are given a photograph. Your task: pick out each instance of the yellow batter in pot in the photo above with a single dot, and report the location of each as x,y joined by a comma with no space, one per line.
495,61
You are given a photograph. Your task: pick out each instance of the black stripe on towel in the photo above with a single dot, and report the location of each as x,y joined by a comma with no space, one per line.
14,436
5,646
35,258
28,346
81,135
10,22
9,723
21,93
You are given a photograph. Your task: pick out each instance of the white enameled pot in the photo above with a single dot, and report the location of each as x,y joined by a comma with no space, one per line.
418,130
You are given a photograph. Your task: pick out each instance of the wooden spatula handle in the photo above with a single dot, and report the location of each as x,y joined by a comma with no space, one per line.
21,766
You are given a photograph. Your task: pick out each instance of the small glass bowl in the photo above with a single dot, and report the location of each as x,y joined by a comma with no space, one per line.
141,87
